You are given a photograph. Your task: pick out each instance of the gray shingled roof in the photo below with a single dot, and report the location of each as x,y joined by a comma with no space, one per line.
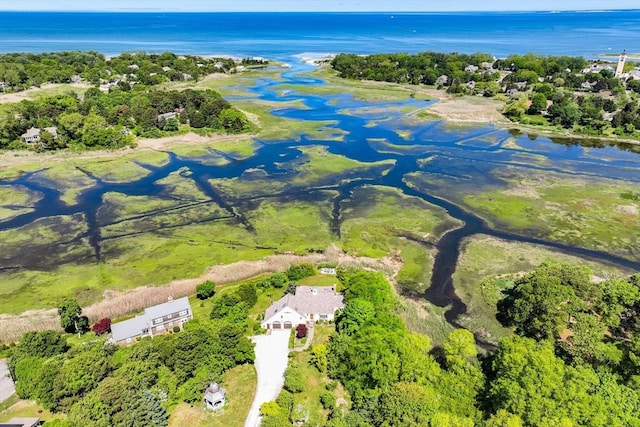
214,393
31,132
133,327
308,299
168,307
129,328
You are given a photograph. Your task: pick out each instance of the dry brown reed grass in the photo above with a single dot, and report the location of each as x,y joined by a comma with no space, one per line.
117,304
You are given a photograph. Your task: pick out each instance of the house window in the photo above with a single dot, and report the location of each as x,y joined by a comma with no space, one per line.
160,328
169,316
324,316
158,321
128,340
170,323
184,312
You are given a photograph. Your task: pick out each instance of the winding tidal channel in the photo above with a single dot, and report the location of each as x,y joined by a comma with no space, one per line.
371,132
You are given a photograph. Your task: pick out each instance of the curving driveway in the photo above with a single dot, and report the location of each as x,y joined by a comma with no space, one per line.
272,353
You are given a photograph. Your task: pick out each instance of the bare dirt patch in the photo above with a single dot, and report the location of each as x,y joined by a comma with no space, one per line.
630,210
472,109
11,98
523,191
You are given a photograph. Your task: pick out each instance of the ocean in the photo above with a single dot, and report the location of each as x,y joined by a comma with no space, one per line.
282,35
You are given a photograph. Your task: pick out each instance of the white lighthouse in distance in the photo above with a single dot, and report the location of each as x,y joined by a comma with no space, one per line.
620,67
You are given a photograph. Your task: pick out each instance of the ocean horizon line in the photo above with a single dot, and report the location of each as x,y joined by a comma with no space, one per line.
359,12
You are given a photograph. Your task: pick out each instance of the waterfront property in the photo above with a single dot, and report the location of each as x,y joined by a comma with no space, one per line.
308,305
156,320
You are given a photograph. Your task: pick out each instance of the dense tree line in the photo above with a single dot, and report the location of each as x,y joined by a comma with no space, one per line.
421,68
574,360
584,113
19,71
589,323
107,120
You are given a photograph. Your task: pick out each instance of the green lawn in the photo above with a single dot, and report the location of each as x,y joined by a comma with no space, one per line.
315,381
321,280
240,385
25,409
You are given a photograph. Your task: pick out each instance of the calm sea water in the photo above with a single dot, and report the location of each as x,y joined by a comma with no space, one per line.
281,35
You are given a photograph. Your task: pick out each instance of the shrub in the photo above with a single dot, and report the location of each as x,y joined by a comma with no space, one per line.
291,288
328,400
301,331
102,326
248,294
278,280
293,380
205,290
285,401
319,357
270,409
176,329
300,271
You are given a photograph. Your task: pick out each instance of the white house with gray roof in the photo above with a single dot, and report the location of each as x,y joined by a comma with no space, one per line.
155,320
308,305
34,134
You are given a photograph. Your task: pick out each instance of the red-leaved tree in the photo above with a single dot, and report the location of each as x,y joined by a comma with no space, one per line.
301,331
102,327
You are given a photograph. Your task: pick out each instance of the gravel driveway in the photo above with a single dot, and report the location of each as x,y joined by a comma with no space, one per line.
6,383
272,352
